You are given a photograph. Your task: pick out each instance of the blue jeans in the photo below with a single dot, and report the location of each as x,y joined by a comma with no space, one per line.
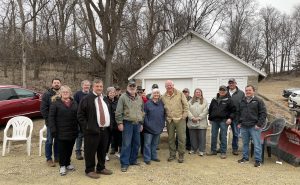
235,135
49,145
150,145
130,143
79,142
215,126
253,133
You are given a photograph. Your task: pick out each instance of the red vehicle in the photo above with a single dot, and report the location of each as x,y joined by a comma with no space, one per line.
289,141
15,101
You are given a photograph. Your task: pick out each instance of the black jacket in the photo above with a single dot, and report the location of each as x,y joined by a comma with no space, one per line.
112,109
221,110
62,120
252,113
87,115
45,104
236,97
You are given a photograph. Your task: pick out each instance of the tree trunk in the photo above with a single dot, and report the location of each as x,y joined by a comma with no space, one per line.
108,71
5,71
36,72
24,52
24,61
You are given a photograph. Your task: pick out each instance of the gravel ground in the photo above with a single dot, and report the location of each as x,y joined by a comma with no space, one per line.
18,168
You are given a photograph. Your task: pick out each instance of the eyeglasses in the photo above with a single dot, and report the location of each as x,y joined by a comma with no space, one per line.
132,85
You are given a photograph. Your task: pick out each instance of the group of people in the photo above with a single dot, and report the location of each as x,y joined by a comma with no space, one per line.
87,117
245,113
119,119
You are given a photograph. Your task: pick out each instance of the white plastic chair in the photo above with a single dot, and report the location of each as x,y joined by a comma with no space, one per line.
228,134
42,138
20,125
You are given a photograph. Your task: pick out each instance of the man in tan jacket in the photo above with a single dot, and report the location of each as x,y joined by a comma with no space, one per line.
176,107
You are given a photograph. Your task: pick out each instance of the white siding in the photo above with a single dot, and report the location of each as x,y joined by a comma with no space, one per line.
210,86
179,84
194,58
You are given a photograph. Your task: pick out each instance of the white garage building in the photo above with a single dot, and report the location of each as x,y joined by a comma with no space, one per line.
193,61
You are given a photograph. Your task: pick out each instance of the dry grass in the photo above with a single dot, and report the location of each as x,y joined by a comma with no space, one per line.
18,168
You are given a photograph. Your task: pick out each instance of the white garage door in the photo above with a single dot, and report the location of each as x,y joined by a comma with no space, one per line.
210,86
179,84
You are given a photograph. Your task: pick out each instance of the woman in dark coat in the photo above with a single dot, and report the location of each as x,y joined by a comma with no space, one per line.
115,135
63,125
154,124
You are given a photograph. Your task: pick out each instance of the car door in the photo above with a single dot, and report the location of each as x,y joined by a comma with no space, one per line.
29,102
8,104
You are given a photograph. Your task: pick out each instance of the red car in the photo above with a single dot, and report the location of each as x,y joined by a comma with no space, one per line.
15,101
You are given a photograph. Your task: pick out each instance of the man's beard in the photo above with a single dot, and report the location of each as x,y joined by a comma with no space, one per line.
56,87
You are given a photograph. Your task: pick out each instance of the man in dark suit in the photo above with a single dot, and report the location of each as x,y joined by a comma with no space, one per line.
94,118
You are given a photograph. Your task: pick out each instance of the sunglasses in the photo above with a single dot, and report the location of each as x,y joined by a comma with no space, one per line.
132,85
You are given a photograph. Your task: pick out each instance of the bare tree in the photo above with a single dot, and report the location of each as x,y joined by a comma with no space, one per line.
202,16
239,13
24,21
109,14
65,9
270,17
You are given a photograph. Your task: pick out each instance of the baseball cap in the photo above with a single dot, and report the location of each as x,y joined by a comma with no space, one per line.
154,86
231,80
139,88
131,82
223,87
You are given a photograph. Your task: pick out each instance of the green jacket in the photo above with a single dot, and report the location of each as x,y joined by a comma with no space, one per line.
176,106
130,109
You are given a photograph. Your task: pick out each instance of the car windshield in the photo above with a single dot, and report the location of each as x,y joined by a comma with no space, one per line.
7,94
22,93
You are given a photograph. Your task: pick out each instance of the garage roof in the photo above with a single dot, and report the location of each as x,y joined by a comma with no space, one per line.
263,74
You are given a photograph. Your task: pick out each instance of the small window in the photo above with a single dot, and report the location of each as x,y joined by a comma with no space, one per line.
7,94
22,93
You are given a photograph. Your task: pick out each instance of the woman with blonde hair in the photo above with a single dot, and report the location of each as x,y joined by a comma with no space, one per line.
63,125
197,122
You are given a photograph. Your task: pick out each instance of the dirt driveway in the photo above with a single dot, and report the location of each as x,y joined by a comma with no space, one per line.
17,168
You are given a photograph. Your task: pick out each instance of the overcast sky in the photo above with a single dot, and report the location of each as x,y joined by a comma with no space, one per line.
282,5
